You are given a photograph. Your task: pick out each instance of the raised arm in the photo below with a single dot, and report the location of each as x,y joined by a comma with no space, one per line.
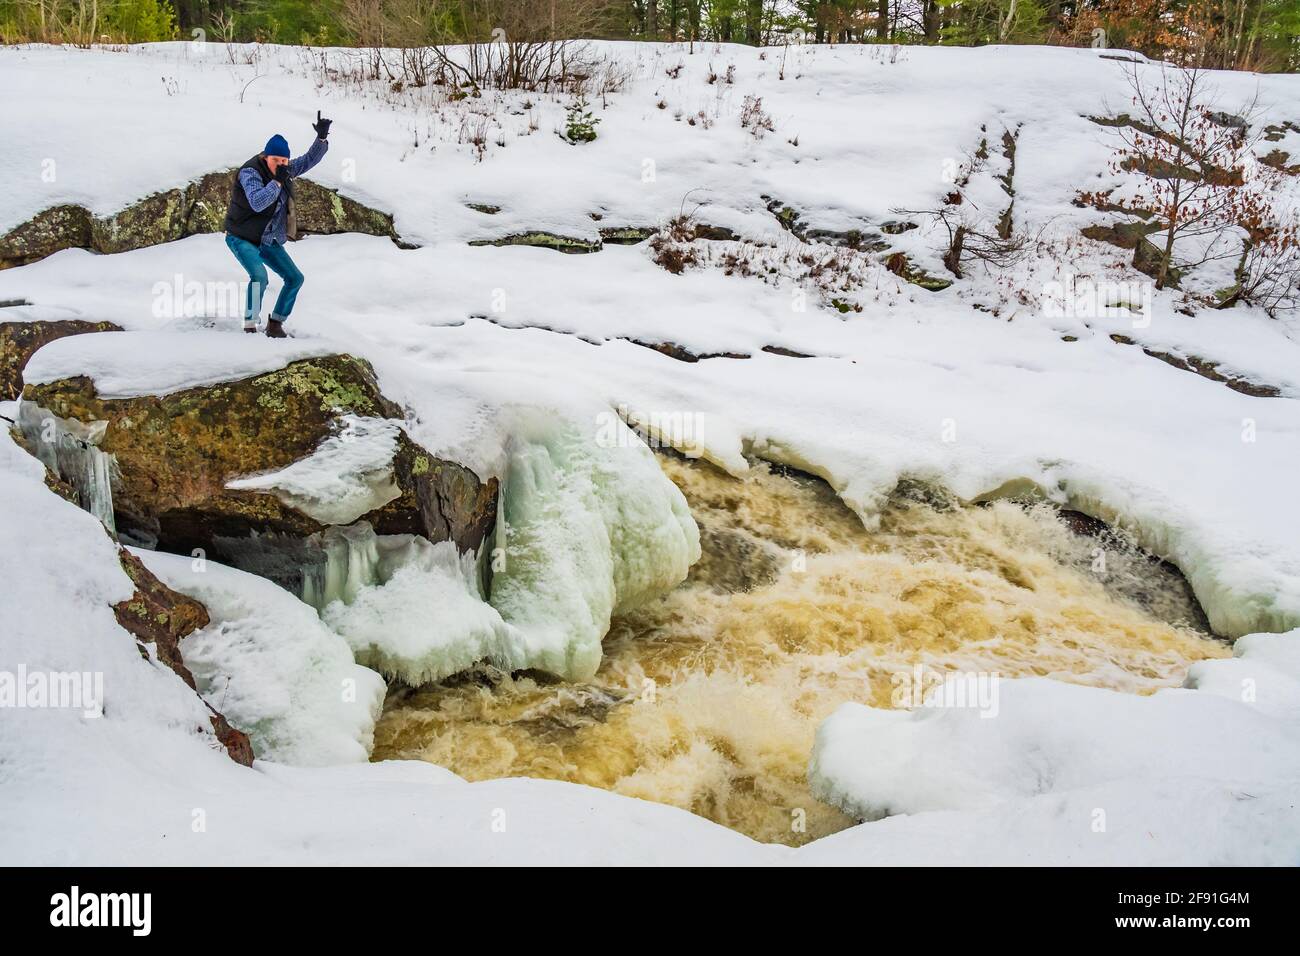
301,164
259,196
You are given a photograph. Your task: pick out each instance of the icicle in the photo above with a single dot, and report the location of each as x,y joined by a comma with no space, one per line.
68,448
353,558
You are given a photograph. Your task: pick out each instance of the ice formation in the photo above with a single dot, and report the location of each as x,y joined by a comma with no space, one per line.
587,529
342,562
68,448
419,616
348,475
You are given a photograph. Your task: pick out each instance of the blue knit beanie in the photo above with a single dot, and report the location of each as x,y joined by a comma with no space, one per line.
277,145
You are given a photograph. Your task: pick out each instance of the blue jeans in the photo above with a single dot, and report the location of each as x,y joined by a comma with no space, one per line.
255,259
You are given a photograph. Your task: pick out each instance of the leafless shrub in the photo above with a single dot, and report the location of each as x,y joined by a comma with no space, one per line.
969,240
1268,274
829,274
753,118
524,45
672,247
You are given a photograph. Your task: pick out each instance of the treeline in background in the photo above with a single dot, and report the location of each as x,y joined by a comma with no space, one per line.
1261,35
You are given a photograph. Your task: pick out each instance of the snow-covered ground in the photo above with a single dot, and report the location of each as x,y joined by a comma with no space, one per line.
506,359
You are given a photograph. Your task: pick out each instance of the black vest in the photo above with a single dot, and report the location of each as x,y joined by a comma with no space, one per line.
241,220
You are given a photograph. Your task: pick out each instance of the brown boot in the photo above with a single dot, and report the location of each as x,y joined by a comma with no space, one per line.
275,329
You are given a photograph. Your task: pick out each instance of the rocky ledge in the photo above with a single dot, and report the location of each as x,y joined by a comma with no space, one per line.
192,209
20,340
231,468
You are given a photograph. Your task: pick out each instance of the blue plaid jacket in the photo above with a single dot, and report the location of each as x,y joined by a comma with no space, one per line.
259,196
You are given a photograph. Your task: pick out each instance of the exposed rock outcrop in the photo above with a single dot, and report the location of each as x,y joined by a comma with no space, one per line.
1279,160
544,240
901,266
195,208
19,340
1205,369
865,240
175,454
1134,235
625,235
157,615
48,232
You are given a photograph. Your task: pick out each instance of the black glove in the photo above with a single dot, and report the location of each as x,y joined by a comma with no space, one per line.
321,126
282,174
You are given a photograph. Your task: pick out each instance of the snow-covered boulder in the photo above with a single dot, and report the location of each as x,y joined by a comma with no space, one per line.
217,438
1042,738
20,340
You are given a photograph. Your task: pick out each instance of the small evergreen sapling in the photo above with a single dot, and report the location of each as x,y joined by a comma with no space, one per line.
580,124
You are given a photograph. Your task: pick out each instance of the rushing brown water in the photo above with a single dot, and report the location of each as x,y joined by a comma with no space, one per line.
708,698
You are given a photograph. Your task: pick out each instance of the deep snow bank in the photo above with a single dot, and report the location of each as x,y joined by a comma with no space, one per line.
283,677
62,576
1046,740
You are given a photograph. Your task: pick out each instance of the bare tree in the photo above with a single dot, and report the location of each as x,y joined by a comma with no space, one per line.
1191,157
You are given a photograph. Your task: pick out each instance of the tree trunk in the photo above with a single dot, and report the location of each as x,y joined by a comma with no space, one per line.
1004,29
756,21
952,259
930,20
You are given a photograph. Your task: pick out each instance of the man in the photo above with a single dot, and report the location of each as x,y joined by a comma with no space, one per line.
260,220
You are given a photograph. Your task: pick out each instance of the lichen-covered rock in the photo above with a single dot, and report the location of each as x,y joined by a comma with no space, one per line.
175,455
207,212
440,500
323,212
1134,235
48,232
19,340
150,222
901,266
319,210
626,235
543,240
172,214
157,615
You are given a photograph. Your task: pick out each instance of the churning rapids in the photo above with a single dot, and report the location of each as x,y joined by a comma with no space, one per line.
708,698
